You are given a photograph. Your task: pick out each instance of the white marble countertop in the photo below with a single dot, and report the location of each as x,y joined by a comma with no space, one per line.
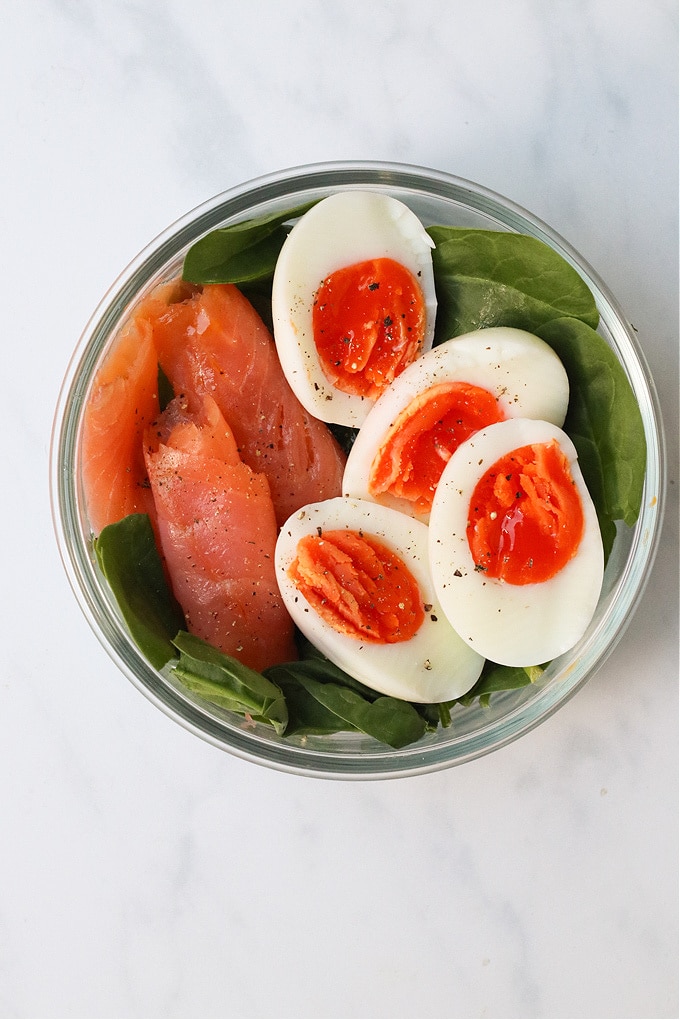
143,872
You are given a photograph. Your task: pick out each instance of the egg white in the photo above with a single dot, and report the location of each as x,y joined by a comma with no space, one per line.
341,230
434,665
513,625
519,369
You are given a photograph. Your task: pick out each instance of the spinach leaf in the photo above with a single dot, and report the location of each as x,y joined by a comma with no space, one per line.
318,705
306,714
165,389
603,421
491,278
316,696
310,696
345,435
259,293
325,669
224,681
435,715
127,554
496,678
242,253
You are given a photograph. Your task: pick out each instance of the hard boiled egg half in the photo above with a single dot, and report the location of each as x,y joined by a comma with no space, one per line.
448,394
515,548
354,577
353,302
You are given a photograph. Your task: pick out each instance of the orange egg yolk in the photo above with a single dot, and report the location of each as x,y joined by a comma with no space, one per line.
526,518
423,436
369,324
358,586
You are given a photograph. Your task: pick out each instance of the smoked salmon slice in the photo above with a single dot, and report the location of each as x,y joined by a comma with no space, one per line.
122,404
214,342
123,401
217,530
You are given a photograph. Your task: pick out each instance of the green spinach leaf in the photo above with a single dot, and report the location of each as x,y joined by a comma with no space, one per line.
242,253
309,696
345,435
165,389
326,670
127,554
224,681
496,678
603,421
491,278
319,705
306,714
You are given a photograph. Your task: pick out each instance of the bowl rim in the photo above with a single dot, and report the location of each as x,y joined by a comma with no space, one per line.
77,559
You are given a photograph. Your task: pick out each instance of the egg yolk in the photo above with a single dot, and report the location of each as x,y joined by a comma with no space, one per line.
358,586
526,518
369,324
423,436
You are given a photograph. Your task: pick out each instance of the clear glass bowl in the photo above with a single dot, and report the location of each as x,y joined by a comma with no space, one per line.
438,198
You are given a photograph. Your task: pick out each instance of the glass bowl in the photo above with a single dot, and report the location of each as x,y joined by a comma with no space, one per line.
437,198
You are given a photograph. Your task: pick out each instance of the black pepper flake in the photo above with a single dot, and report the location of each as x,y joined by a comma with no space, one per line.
373,286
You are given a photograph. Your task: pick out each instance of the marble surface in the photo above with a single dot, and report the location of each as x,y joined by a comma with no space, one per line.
143,872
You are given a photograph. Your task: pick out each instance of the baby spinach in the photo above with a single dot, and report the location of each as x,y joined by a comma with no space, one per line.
345,435
165,389
226,682
491,278
307,715
603,419
128,557
309,696
311,714
495,678
242,253
314,696
319,705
